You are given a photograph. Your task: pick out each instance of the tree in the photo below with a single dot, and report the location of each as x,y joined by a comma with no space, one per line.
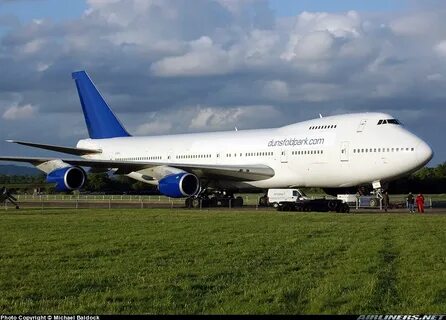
98,182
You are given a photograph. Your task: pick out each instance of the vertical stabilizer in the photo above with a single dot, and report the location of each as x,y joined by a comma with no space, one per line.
100,119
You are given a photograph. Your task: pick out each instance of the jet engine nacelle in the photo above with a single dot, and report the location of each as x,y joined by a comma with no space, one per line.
179,185
67,179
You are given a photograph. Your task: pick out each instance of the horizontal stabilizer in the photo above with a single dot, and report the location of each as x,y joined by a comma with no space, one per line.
67,150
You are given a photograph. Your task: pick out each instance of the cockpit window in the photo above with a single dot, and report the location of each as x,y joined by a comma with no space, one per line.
389,121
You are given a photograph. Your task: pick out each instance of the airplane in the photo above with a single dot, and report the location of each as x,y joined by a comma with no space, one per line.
330,152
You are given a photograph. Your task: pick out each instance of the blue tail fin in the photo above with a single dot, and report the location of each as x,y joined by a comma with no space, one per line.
100,119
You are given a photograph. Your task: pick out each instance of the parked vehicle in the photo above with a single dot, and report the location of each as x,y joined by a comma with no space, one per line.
297,200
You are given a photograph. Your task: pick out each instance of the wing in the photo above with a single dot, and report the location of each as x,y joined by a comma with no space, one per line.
229,172
68,150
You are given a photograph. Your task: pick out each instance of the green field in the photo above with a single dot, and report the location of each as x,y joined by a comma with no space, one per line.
220,262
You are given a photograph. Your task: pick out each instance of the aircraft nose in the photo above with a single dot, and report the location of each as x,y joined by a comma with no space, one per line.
424,152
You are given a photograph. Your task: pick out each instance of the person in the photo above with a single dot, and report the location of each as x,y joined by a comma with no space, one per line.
386,201
5,196
358,199
420,203
410,202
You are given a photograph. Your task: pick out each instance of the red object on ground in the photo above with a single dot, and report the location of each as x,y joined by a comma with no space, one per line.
420,203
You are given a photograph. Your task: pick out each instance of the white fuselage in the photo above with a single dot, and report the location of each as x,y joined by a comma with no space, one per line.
336,151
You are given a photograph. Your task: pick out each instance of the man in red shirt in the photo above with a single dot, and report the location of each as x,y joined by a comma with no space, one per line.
420,203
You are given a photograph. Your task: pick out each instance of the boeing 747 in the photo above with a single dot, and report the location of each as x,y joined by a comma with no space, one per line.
328,152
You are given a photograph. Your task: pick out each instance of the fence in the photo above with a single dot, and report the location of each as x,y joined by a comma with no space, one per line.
110,201
396,202
158,201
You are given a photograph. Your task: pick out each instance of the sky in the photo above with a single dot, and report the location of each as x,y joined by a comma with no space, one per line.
174,66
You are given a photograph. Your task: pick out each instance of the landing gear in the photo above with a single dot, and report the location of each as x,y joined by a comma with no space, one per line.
218,199
263,201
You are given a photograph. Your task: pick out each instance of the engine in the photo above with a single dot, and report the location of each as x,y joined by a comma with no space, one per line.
179,185
67,179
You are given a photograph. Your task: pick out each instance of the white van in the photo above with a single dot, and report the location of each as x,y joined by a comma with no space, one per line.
275,196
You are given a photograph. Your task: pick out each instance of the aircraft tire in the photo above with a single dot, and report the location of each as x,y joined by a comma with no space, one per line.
213,202
188,202
331,205
238,202
196,202
263,201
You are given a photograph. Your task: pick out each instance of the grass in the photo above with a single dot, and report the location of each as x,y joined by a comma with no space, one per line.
220,262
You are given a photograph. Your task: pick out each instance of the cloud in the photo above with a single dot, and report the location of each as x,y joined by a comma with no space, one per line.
228,118
416,24
208,118
203,59
277,89
155,61
440,48
19,112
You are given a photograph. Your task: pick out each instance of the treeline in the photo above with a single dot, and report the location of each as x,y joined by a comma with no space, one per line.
102,182
8,179
96,183
425,180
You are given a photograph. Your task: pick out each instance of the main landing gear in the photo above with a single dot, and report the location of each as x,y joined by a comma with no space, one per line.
218,199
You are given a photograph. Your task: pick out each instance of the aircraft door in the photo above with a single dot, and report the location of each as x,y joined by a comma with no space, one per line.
170,156
283,156
361,125
344,151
